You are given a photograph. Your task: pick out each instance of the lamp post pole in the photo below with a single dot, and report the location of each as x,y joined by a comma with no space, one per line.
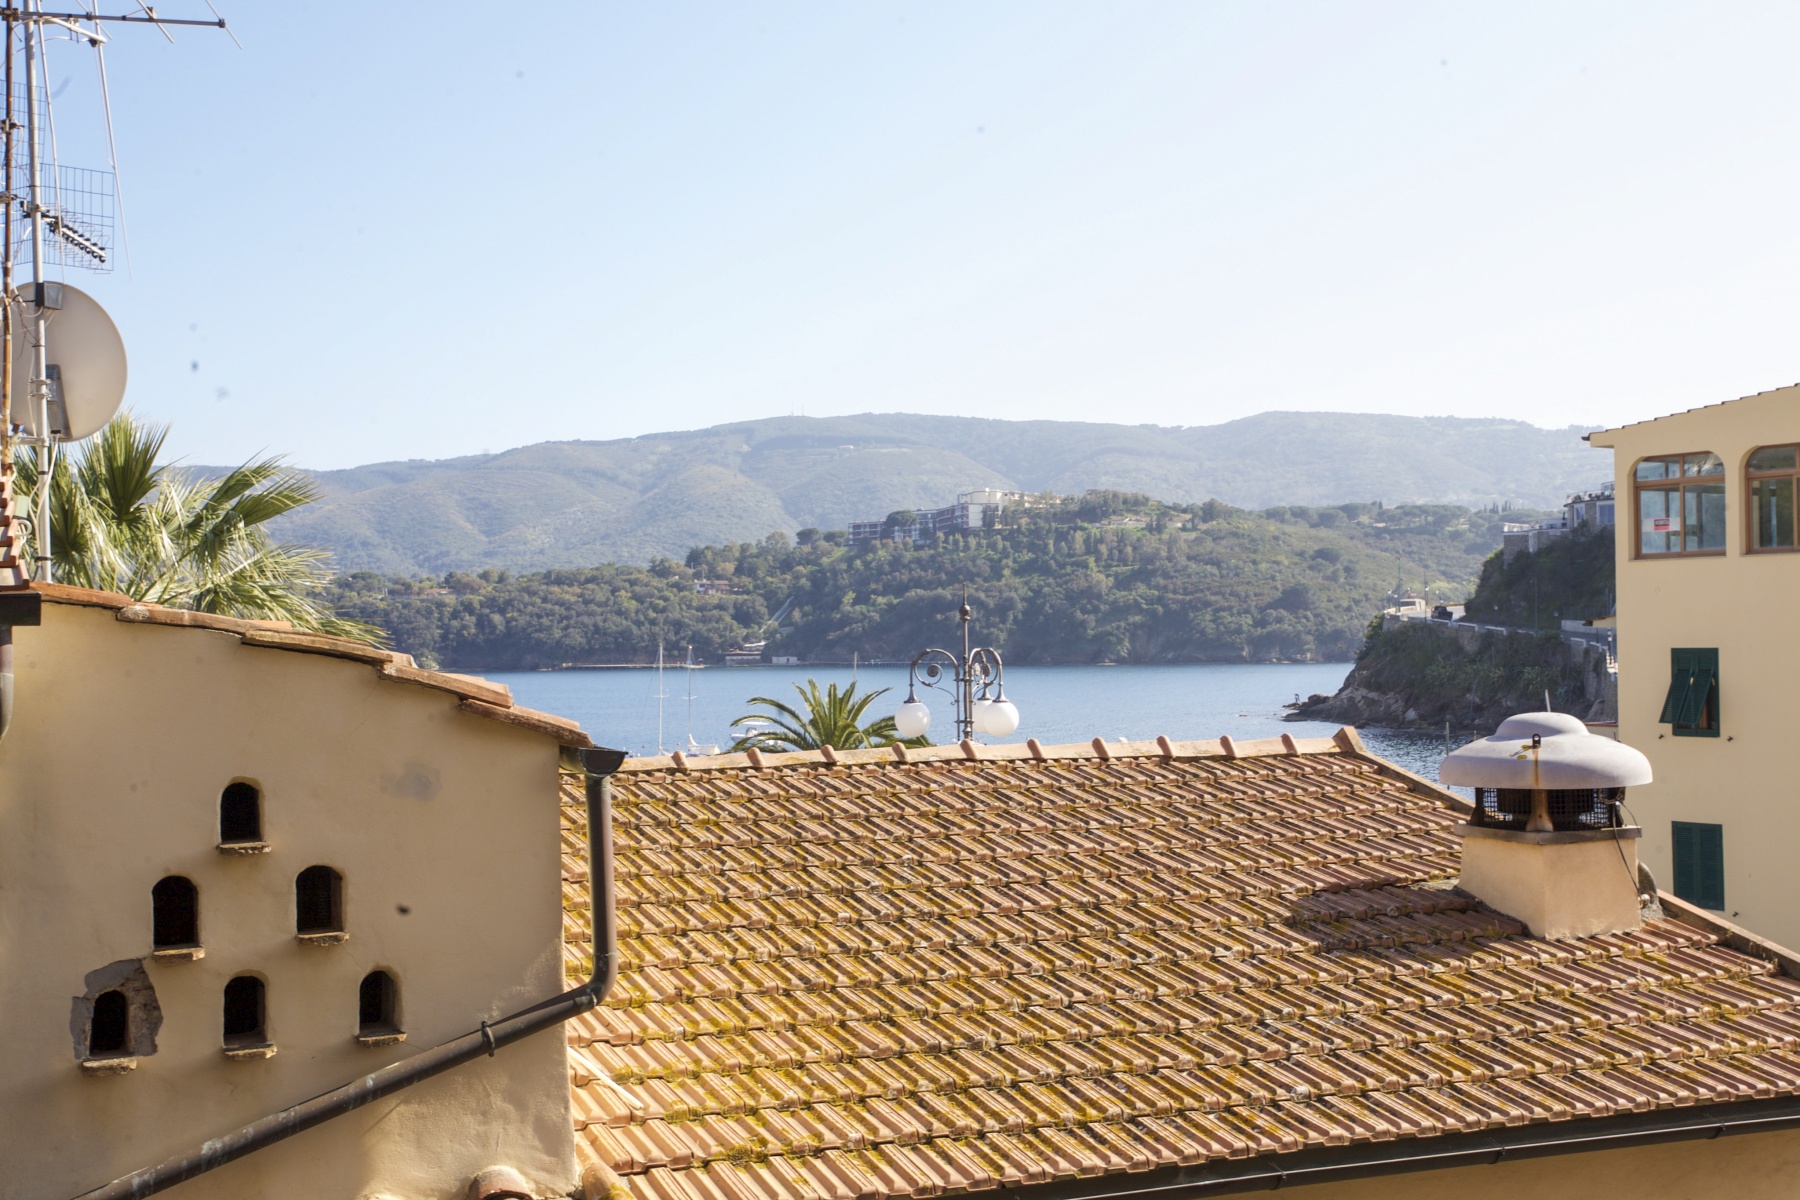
965,720
977,688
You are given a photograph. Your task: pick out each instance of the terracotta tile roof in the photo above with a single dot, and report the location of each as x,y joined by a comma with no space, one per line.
476,696
884,979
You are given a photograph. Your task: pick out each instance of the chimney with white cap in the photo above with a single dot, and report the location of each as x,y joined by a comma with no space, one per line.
1547,842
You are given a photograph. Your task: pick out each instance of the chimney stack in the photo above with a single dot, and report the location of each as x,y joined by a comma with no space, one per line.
1547,842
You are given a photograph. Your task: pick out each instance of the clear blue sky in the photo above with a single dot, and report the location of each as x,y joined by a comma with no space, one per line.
412,231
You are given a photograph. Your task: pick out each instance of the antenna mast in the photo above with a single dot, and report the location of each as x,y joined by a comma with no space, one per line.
39,393
76,242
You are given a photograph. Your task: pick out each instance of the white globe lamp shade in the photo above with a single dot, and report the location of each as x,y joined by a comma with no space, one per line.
912,719
1002,717
980,713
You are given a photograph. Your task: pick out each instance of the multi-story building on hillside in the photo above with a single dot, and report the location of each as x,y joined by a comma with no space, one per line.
1709,648
972,510
1592,509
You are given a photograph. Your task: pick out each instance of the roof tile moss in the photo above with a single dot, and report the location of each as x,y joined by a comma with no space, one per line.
877,978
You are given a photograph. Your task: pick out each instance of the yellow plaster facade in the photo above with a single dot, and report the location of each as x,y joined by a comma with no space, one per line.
444,826
1742,604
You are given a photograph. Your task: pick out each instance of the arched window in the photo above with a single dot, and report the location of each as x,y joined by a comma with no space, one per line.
1680,505
244,1013
377,1006
174,913
319,901
1772,481
110,1030
240,814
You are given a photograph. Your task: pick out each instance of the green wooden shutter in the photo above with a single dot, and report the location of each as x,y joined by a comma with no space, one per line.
1700,863
1692,705
1711,841
1681,676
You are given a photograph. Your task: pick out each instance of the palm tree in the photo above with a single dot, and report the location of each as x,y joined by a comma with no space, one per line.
120,521
833,718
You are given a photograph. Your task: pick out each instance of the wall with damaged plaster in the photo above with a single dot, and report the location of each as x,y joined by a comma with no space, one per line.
444,825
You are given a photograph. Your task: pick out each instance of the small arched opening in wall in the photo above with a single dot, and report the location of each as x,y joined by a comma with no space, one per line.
241,818
109,1032
115,1020
244,1018
378,1010
174,914
319,905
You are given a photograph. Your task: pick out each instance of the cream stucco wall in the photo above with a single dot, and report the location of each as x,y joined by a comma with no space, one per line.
444,826
1745,605
1752,1166
1560,889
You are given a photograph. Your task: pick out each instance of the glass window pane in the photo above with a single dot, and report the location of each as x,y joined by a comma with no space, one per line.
1704,464
1773,458
1659,520
1658,468
1772,502
1704,517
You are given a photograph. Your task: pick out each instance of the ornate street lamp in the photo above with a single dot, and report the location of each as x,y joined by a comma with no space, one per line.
977,688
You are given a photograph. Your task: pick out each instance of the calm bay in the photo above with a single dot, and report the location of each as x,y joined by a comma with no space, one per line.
1058,704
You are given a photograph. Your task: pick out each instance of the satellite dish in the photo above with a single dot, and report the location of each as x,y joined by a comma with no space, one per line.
86,358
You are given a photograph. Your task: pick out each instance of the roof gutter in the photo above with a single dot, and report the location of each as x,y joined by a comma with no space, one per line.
1430,1153
599,766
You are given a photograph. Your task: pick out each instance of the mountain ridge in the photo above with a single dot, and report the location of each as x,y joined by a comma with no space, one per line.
570,503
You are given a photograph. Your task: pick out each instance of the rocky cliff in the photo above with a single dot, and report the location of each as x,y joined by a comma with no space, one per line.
1417,674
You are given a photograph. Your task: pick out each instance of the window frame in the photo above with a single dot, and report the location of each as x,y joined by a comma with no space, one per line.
1678,485
1750,478
1701,838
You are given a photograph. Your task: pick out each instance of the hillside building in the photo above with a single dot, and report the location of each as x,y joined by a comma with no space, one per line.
242,866
972,510
1592,509
1708,574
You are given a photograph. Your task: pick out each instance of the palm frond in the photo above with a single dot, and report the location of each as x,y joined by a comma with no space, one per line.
123,522
832,718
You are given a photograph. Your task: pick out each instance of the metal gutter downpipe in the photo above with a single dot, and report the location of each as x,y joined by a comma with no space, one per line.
6,679
598,765
1443,1152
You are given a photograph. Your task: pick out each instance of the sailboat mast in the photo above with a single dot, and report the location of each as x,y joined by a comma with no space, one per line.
661,693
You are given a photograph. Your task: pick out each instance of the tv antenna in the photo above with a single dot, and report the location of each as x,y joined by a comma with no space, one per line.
71,353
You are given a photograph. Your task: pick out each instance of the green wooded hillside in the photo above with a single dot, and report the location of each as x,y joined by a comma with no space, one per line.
1108,577
632,500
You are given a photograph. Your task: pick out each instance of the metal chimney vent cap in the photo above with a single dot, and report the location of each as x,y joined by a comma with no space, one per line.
1545,724
1565,756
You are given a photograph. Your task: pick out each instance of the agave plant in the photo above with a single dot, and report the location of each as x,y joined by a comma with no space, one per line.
121,521
832,718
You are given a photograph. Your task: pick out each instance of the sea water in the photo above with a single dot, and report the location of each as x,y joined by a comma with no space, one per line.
619,706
